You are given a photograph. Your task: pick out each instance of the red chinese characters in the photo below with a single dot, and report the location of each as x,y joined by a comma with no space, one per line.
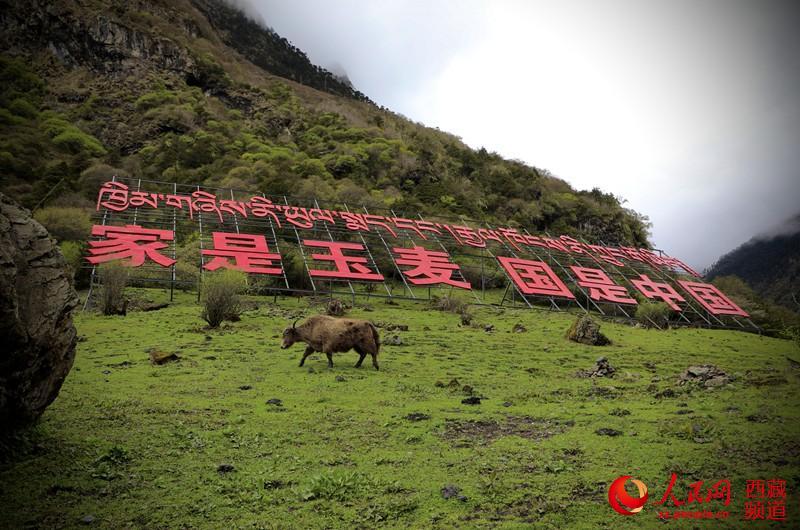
712,299
534,277
775,493
662,291
601,287
429,267
249,252
131,243
347,267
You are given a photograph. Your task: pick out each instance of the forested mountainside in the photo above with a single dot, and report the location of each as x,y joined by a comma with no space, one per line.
193,91
770,265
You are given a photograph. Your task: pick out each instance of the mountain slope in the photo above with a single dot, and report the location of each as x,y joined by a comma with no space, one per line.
771,266
192,91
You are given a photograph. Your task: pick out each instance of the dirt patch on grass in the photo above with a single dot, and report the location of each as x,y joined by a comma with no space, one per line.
483,431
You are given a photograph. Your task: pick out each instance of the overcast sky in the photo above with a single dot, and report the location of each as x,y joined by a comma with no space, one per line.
689,109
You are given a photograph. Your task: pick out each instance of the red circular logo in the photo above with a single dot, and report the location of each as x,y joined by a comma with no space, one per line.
623,503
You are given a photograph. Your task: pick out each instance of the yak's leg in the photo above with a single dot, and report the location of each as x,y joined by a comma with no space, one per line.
309,351
375,360
361,355
330,360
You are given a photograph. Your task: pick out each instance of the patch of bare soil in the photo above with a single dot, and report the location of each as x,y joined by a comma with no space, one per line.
489,430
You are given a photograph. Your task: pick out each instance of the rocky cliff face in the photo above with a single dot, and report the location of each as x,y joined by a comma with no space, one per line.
77,39
36,303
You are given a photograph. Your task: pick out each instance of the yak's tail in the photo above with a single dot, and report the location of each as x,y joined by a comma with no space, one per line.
375,337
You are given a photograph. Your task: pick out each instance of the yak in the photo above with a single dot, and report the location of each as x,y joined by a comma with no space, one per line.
334,335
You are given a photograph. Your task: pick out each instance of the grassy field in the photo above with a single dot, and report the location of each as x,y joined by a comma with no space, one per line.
202,443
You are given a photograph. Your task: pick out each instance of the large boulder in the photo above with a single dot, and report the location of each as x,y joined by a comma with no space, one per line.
587,331
36,303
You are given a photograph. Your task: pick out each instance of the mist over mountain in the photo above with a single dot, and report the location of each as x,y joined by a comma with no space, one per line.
769,263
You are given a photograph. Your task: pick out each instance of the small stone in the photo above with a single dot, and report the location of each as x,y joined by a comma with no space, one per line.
450,491
488,328
472,400
394,340
275,401
340,378
225,468
715,381
605,431
245,387
273,484
87,519
468,390
439,384
519,328
160,357
311,370
106,372
418,416
208,337
507,404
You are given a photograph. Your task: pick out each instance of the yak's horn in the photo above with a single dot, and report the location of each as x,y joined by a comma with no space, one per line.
294,323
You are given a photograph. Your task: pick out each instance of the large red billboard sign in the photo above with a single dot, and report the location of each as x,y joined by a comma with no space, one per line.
139,227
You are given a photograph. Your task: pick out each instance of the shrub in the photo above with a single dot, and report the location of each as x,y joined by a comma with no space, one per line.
76,141
65,223
221,297
453,304
653,314
71,250
335,485
152,100
24,108
114,279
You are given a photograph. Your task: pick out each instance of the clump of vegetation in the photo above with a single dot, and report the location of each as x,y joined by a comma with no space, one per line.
221,297
65,223
340,486
453,304
653,314
114,279
449,303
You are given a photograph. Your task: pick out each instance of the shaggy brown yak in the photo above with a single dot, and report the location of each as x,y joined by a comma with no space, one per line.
333,335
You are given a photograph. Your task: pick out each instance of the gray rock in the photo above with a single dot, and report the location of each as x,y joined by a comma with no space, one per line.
36,304
587,331
450,491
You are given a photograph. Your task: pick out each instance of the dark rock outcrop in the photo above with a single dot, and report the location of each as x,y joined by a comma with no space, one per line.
36,303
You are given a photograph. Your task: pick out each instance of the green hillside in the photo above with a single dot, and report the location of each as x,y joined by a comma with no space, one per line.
135,445
194,92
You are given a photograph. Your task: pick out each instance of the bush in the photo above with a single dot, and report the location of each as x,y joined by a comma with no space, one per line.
221,297
65,223
653,314
453,304
76,141
114,279
71,250
335,485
